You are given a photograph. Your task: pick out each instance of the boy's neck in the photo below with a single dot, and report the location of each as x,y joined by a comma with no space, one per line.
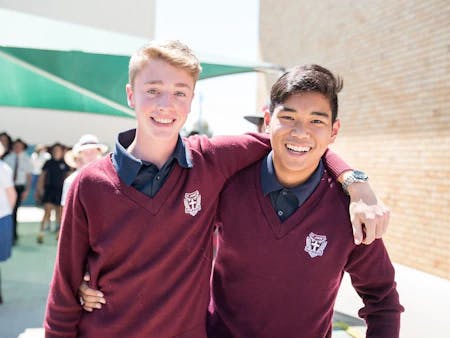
293,179
153,150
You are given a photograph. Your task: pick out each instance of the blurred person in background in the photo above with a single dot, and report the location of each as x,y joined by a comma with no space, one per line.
85,151
39,156
257,119
6,141
8,198
49,188
21,166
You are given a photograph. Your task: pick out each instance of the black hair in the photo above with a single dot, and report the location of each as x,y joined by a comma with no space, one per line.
307,78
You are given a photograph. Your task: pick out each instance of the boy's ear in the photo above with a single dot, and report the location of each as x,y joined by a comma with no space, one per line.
335,130
267,119
130,95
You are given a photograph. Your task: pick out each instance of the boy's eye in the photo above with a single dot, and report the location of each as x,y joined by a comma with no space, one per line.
181,94
317,121
286,117
152,91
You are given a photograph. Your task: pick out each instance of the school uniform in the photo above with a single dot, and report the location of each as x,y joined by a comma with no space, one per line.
280,263
148,245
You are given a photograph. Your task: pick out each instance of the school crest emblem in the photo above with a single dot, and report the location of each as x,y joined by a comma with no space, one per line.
315,244
192,203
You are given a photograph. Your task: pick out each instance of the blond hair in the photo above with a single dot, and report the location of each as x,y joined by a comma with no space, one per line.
173,52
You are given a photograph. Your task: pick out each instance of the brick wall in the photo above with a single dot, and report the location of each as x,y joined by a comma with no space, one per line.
394,58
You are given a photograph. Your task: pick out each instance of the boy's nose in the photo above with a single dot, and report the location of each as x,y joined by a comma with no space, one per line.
164,101
299,130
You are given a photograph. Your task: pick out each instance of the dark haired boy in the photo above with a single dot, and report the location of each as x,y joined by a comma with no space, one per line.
279,267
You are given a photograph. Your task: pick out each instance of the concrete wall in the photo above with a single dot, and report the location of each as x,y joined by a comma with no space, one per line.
394,57
48,126
133,17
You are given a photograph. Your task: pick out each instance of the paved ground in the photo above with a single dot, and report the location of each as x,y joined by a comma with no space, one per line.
26,276
25,280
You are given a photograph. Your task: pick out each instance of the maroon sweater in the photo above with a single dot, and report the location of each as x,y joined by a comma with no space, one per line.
274,279
151,257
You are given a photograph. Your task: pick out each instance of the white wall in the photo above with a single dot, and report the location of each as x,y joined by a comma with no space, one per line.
47,126
133,17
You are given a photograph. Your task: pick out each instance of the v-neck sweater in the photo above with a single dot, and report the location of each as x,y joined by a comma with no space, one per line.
280,279
151,257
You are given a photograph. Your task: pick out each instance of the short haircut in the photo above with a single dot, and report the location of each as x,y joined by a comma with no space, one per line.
307,78
173,52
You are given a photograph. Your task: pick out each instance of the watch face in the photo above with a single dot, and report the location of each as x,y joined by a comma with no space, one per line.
360,175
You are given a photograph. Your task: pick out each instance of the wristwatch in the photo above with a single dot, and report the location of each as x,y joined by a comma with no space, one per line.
352,177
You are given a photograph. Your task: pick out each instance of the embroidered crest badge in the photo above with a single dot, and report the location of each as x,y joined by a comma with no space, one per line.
192,203
315,244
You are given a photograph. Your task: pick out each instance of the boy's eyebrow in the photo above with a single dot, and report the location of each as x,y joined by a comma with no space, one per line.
292,110
287,109
159,82
320,113
182,84
154,82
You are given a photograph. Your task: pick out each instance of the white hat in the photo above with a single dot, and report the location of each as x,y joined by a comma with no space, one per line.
87,141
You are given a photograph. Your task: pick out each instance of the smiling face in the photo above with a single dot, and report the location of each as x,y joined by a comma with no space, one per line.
301,129
161,96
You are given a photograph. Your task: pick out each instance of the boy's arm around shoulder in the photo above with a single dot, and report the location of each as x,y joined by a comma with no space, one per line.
369,216
230,154
373,278
63,309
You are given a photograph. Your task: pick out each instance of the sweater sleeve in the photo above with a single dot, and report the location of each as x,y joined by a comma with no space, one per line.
372,276
233,153
335,165
63,311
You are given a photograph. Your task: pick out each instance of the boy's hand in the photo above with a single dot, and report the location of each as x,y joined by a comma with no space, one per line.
369,218
90,299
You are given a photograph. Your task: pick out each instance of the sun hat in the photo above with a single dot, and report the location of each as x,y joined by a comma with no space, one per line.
87,141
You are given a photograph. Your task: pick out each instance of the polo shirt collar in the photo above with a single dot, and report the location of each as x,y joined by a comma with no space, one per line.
127,166
270,183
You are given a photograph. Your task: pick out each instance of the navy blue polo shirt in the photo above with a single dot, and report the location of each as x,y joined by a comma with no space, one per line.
286,200
143,175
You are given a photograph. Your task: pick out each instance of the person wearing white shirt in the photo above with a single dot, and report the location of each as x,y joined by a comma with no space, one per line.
20,164
39,156
8,197
85,151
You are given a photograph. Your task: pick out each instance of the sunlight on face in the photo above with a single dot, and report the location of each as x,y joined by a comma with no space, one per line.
161,96
300,131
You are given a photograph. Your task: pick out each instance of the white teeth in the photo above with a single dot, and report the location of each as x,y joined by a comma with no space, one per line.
297,148
161,120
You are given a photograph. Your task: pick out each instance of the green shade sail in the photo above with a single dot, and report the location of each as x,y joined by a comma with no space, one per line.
77,81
